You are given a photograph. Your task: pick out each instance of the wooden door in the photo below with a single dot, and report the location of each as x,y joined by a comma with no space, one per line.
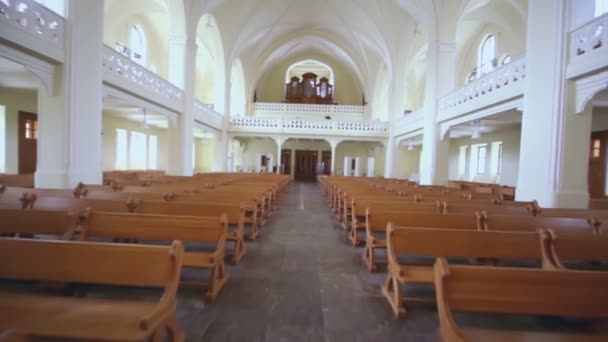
305,164
28,142
286,161
326,159
597,164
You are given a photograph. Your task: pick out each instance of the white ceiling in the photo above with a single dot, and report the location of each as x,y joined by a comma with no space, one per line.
487,125
118,108
14,75
601,99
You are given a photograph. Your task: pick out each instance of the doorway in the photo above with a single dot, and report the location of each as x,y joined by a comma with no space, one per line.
286,162
305,164
28,142
597,165
326,159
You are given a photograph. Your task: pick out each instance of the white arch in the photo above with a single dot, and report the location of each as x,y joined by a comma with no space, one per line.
296,64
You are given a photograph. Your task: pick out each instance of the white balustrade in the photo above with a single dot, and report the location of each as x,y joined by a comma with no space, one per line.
308,127
204,113
588,47
500,84
34,18
266,108
126,74
590,37
410,122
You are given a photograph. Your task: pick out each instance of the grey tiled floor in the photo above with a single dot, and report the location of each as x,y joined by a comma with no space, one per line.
301,281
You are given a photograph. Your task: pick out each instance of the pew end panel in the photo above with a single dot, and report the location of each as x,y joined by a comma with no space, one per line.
482,289
99,264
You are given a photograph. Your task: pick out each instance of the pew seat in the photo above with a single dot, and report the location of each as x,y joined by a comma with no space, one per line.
155,229
470,244
49,315
577,294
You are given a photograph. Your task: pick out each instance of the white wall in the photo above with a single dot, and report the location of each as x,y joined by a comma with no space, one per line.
363,150
111,123
406,163
599,122
2,139
253,147
510,138
15,100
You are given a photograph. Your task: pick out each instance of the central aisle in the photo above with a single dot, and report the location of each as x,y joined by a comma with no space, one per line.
301,281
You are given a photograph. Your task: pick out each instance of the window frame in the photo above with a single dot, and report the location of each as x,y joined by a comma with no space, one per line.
481,167
483,66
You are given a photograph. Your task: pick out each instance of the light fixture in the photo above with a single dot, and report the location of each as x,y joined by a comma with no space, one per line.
410,147
144,124
476,130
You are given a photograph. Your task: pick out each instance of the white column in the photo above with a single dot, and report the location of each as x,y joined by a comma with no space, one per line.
439,81
347,165
182,55
84,105
51,164
333,143
358,172
371,166
279,142
554,153
389,159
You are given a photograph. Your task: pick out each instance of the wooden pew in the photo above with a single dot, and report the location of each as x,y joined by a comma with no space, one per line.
472,244
29,223
254,208
531,223
580,294
189,229
235,216
359,209
580,248
101,264
376,222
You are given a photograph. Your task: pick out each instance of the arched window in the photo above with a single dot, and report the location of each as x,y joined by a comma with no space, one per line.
487,56
506,59
139,45
601,7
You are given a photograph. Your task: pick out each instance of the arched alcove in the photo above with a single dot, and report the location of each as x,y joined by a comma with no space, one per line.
140,30
210,84
238,97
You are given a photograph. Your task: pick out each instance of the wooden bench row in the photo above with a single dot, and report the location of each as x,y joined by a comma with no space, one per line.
545,247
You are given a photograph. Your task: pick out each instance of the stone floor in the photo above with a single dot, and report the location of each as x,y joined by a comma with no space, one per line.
301,281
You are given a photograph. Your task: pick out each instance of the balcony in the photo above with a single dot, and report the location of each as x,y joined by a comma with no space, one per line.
588,47
123,73
28,24
314,128
205,114
336,112
409,123
502,84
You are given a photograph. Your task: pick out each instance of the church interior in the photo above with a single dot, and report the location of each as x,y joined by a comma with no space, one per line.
289,170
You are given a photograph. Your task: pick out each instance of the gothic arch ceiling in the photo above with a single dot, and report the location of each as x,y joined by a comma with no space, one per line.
365,35
508,15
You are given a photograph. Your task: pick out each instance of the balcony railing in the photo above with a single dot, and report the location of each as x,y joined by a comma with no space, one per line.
37,21
588,47
270,109
124,73
410,122
501,84
205,114
308,127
